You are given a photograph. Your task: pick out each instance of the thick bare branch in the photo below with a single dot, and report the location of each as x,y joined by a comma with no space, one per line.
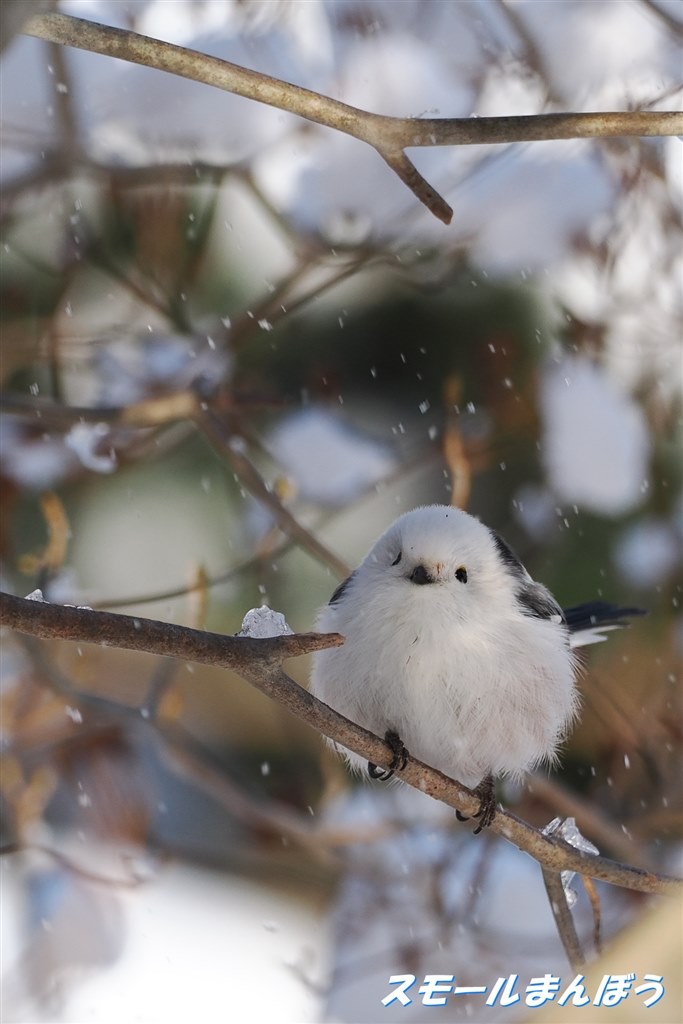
259,662
238,653
607,124
388,135
200,67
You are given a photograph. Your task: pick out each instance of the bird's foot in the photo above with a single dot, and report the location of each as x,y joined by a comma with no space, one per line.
398,761
486,791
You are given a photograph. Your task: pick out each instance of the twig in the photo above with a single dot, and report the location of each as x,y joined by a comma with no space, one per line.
280,547
187,759
390,136
533,53
153,411
594,898
672,23
129,882
269,308
58,531
56,165
563,918
64,103
215,431
259,662
591,822
406,170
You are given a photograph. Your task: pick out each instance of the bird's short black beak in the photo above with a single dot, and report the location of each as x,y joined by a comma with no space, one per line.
421,575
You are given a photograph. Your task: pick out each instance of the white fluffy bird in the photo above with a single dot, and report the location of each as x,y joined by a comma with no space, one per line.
453,653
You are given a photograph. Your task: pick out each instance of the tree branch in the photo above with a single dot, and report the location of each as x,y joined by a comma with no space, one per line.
219,436
669,20
563,918
259,662
243,655
388,135
592,823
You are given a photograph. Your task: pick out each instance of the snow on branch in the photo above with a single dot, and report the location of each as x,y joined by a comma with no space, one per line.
389,136
259,661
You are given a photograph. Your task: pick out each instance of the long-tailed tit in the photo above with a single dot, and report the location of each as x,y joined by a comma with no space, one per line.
454,653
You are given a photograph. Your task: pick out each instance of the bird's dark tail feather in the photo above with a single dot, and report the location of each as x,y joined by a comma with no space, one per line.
590,618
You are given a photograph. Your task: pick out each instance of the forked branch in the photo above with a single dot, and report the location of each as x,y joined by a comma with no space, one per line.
390,136
260,663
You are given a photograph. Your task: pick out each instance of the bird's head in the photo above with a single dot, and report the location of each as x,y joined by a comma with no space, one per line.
437,552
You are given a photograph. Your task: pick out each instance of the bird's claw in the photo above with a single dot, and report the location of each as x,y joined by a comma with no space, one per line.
486,792
398,761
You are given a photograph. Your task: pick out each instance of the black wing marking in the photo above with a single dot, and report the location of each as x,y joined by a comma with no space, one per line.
539,602
598,613
339,592
535,600
508,557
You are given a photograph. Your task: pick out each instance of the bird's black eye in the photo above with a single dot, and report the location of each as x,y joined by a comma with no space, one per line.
461,574
398,558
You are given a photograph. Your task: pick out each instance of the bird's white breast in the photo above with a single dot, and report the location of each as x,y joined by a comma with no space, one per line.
464,697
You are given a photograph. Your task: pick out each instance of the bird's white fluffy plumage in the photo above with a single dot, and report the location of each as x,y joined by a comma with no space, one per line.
473,680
